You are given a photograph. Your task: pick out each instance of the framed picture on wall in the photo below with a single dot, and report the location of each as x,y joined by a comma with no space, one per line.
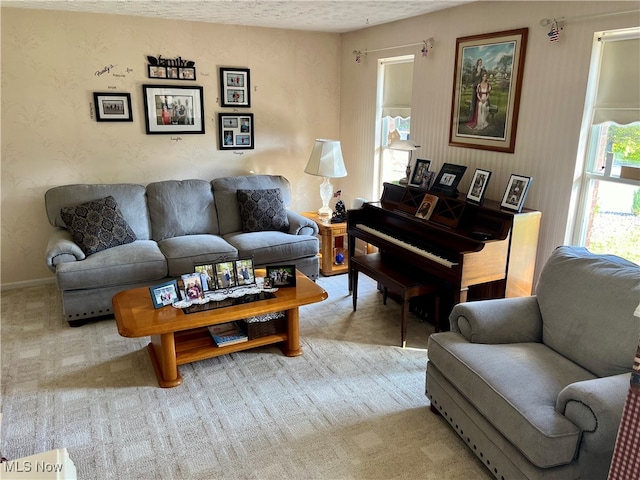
515,193
235,131
173,109
486,90
235,84
113,107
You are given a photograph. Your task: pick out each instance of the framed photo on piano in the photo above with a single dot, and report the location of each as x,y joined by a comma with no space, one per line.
448,179
478,186
419,171
515,193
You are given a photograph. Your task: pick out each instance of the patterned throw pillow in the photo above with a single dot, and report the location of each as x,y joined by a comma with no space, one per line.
97,225
262,210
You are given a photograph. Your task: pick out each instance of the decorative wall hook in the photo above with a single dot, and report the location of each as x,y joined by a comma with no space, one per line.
426,46
554,33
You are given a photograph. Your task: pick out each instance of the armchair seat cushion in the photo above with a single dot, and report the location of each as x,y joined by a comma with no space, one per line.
512,386
273,248
139,261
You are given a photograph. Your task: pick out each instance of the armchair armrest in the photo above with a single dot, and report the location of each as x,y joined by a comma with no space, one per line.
301,225
595,407
61,248
504,320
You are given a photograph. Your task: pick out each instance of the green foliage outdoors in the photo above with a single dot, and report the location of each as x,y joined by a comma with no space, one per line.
635,205
624,143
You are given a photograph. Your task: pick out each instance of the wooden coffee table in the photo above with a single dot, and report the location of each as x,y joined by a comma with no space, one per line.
178,338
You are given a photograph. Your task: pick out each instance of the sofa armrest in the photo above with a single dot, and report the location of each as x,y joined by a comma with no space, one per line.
595,407
503,320
301,225
61,248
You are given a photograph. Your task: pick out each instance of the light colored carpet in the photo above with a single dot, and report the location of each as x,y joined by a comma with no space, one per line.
351,407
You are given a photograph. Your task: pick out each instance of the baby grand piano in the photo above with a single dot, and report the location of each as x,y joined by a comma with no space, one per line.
479,251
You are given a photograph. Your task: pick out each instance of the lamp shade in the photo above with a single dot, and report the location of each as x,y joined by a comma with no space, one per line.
404,145
326,160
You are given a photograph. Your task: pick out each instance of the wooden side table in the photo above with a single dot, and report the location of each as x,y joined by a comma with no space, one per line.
333,240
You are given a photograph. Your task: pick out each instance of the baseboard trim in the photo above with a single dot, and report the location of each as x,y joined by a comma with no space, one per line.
27,283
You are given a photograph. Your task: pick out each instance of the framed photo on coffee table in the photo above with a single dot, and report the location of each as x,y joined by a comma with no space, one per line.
165,294
282,275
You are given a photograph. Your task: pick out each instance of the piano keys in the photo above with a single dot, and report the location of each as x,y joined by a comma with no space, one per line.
481,249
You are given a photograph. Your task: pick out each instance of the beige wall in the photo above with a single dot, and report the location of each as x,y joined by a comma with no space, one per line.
49,65
551,108
307,85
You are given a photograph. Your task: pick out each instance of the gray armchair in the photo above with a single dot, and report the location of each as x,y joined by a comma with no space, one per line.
536,385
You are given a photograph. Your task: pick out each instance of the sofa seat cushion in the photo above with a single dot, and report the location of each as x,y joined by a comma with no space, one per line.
273,248
184,252
139,261
517,399
97,225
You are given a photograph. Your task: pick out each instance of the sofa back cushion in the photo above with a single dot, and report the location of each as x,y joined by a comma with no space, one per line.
181,207
225,191
130,198
587,304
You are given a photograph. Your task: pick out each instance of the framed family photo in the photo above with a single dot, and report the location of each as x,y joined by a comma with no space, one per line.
113,107
173,109
281,275
165,294
419,171
244,271
207,275
235,87
478,186
516,192
235,131
486,90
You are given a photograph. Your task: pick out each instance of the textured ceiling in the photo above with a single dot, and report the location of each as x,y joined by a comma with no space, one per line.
315,15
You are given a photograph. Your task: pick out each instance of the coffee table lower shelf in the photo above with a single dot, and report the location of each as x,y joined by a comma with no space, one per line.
169,350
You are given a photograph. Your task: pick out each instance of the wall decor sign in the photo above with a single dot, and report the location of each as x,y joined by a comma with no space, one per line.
173,109
235,131
235,87
113,107
486,90
171,68
478,186
515,193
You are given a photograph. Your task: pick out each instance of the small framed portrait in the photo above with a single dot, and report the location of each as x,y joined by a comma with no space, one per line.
113,107
235,88
235,131
193,289
515,193
158,71
173,109
226,275
478,186
207,275
282,275
427,206
244,271
267,283
165,294
419,171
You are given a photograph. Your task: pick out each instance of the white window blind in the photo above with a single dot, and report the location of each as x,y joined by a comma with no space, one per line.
618,91
398,85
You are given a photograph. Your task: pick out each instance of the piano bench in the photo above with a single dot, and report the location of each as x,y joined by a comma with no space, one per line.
398,278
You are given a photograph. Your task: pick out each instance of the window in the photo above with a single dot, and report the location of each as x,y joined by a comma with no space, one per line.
395,86
608,200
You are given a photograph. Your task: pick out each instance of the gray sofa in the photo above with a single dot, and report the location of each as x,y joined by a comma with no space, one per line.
535,386
175,224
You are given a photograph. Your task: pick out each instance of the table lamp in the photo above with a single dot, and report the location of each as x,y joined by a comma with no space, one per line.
405,146
326,161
